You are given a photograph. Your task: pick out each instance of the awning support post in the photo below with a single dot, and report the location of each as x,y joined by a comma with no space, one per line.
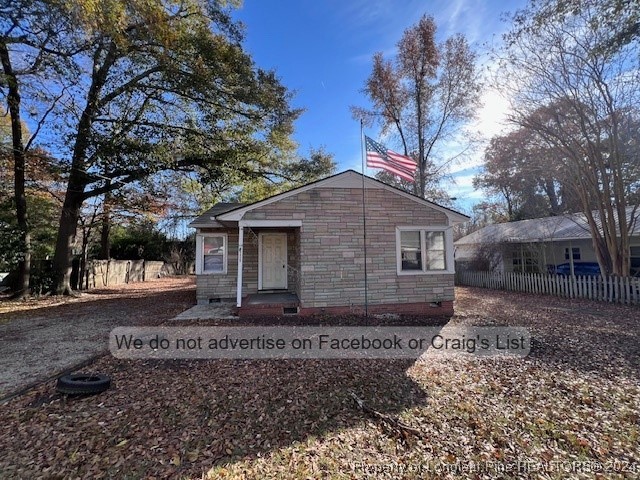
240,251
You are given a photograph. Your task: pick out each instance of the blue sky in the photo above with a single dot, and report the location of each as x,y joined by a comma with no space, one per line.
322,50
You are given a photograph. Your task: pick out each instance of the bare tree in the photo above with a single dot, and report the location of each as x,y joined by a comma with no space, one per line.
579,96
424,96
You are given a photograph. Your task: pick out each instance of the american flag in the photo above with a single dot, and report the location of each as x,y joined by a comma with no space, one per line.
378,156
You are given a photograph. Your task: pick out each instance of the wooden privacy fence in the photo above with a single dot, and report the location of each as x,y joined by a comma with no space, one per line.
102,273
605,289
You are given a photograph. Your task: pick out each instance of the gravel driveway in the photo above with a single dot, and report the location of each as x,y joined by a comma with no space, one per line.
39,339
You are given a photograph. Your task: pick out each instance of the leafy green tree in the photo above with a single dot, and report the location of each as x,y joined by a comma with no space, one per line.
140,87
195,192
9,82
43,212
156,85
291,174
142,241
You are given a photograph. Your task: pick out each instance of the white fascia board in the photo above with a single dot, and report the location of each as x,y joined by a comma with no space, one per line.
269,223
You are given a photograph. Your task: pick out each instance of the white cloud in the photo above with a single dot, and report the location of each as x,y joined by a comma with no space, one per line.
460,19
461,187
463,181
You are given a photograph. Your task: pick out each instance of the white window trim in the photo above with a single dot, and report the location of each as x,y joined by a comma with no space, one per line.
448,252
200,253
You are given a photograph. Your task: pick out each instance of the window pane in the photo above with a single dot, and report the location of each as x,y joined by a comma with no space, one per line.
526,261
213,249
435,241
635,260
435,260
410,251
435,251
213,245
213,263
575,252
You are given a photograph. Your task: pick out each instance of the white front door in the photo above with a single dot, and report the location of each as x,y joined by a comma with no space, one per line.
273,261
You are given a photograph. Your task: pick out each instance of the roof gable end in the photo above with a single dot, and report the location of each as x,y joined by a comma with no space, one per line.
346,179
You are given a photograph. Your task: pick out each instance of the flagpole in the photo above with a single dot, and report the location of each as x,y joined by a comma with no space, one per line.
364,221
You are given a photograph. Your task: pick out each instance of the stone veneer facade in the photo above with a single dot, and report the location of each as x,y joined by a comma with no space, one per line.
327,255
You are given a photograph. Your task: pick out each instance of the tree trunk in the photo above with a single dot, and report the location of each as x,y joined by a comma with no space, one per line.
19,158
552,195
78,179
84,260
105,243
63,258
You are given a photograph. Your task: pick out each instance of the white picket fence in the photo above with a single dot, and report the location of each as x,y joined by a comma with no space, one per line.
614,289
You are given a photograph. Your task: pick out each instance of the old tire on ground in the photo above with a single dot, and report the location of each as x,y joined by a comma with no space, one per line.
83,383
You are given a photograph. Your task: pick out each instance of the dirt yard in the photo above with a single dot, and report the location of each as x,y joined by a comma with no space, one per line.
571,409
40,338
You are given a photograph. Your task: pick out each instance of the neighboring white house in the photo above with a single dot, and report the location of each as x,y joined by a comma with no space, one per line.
534,245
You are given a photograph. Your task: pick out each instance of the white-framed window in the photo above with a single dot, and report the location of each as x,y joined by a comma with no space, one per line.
575,252
526,261
211,253
424,250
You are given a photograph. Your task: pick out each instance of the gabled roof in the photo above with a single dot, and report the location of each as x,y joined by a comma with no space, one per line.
548,229
346,179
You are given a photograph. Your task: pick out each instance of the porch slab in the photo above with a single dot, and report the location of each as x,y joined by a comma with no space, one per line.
271,298
276,304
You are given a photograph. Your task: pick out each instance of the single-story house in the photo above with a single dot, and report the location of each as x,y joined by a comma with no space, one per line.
304,251
535,245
